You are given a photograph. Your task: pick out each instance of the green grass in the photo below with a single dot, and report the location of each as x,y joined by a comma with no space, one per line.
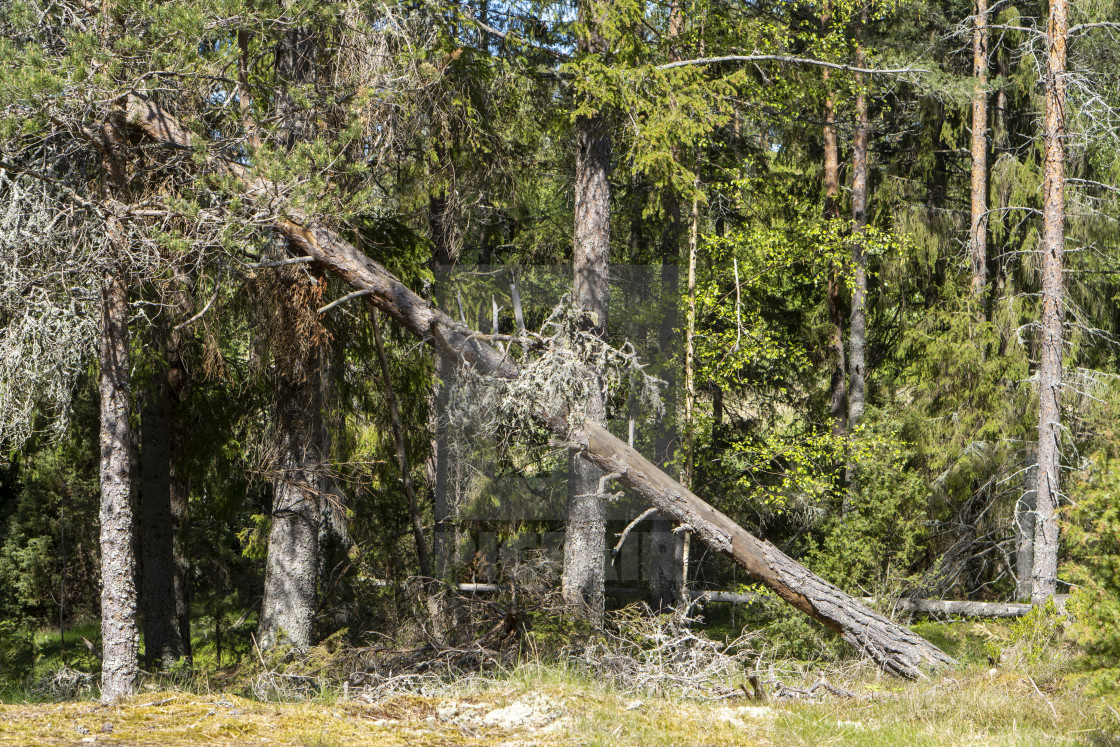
1032,695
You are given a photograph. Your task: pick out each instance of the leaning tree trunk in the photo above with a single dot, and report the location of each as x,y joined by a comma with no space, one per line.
584,548
1045,571
978,231
892,646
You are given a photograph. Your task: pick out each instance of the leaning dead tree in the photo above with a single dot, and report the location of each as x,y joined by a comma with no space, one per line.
890,645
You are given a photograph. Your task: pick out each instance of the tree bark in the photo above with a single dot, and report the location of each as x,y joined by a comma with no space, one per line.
978,232
292,563
838,380
584,541
120,642
857,339
1045,571
1024,524
892,646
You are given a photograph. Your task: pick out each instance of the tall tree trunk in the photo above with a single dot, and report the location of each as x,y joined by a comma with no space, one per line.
584,542
1024,523
586,530
1045,572
978,232
690,341
119,637
857,334
292,563
838,384
892,646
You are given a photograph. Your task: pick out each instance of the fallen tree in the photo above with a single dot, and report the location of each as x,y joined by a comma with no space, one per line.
891,646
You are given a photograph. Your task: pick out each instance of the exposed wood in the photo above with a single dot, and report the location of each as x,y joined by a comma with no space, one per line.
892,646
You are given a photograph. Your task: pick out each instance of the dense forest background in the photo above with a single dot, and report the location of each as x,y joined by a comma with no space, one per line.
830,233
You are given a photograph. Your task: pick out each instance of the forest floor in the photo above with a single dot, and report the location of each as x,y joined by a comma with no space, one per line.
1018,684
545,706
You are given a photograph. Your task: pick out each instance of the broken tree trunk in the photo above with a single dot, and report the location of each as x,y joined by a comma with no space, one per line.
889,644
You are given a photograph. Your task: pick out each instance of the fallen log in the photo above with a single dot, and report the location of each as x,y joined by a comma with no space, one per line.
891,646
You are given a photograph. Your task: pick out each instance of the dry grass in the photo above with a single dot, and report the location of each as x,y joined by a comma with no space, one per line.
974,706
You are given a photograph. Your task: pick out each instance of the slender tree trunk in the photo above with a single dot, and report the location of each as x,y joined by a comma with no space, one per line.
1024,524
120,642
978,232
838,384
892,646
857,339
1052,245
584,543
690,342
402,454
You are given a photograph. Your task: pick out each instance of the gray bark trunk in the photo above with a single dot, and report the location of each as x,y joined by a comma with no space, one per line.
890,645
292,563
1045,572
585,538
857,339
838,382
120,644
1024,524
978,232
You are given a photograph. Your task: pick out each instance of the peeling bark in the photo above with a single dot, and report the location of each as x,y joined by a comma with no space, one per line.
978,231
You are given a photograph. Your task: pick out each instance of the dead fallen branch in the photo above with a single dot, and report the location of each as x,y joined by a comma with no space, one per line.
893,647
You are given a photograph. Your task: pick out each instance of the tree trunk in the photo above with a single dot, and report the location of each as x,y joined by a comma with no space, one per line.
892,646
120,644
1024,524
292,563
978,232
857,339
1052,245
584,542
838,384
